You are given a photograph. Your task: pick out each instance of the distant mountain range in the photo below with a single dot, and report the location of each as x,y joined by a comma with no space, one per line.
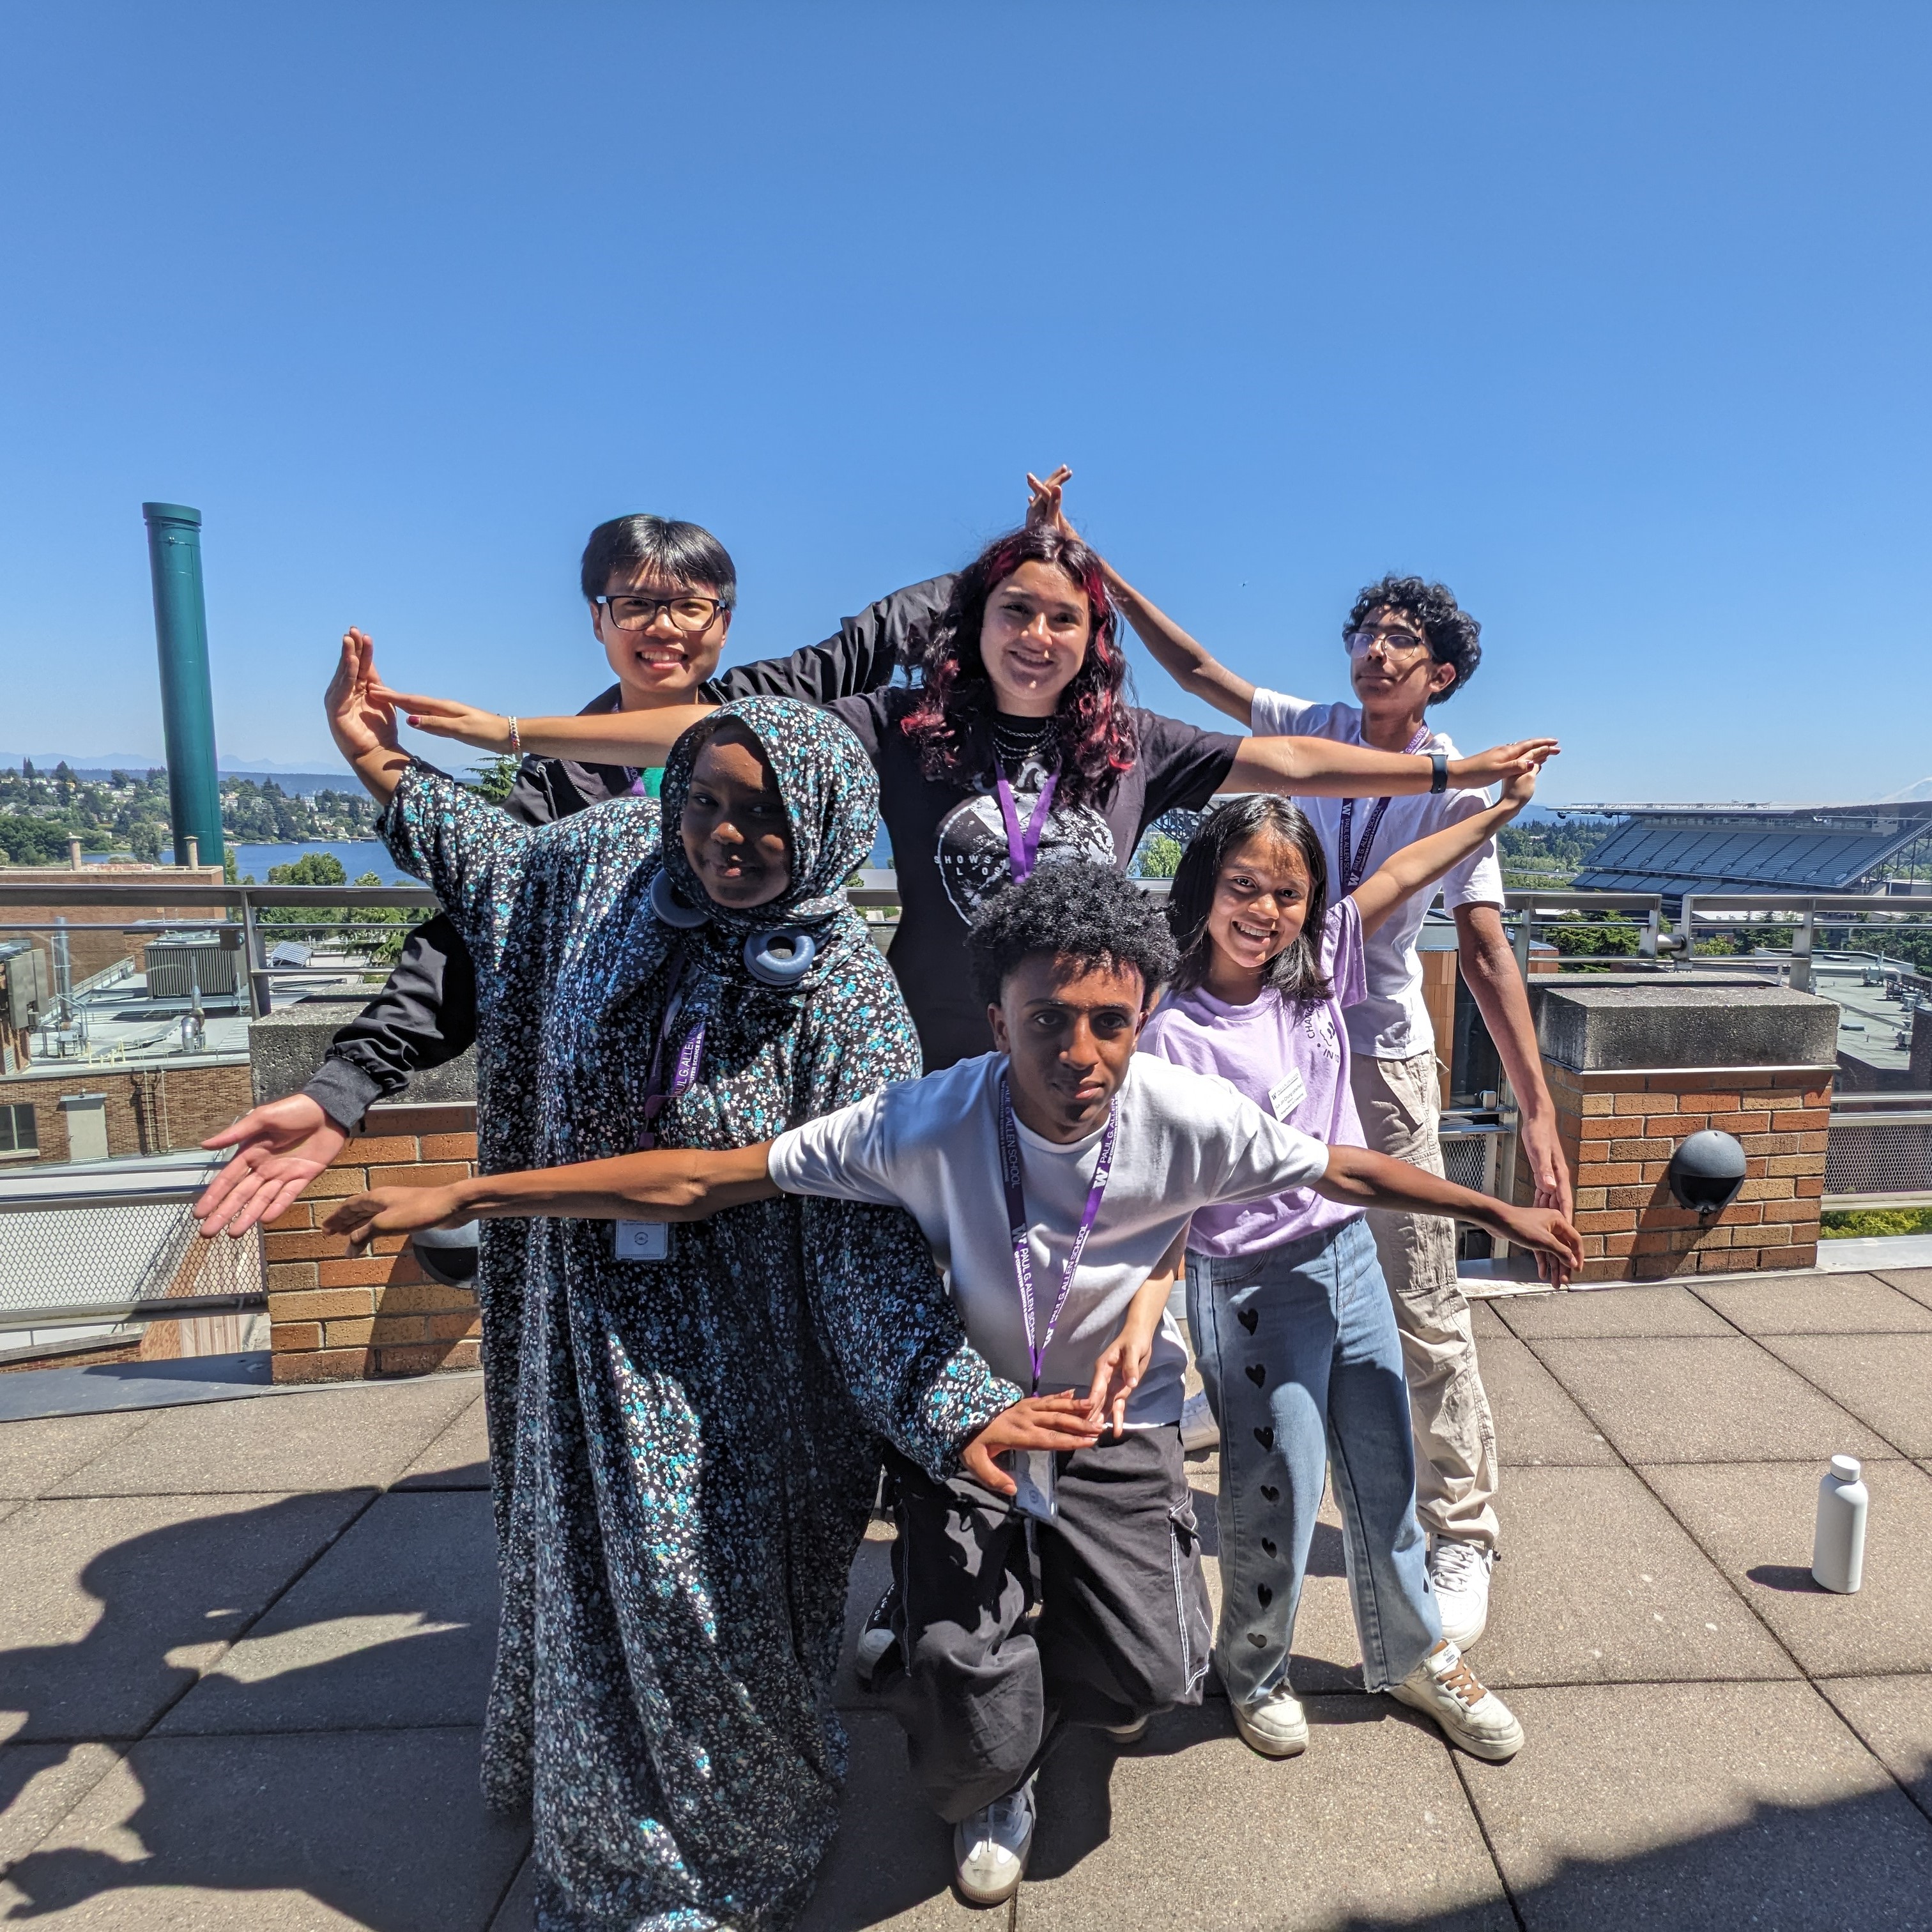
296,779
147,761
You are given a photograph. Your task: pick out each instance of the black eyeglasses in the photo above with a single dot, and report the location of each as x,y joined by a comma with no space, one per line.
687,614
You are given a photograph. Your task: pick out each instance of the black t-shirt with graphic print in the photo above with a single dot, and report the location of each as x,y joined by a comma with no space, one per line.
949,845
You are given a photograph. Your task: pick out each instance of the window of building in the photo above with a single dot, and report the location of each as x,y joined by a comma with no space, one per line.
18,1134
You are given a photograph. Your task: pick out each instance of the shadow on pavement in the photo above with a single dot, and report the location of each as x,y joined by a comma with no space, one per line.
379,1819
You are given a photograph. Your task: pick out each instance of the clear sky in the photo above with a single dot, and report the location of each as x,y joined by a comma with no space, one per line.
1614,316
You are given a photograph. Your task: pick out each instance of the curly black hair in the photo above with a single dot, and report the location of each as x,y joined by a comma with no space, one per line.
1452,634
1078,910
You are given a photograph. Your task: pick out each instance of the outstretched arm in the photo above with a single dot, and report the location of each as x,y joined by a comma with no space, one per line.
1191,665
1423,863
1322,767
607,737
667,1184
1360,1179
1124,1360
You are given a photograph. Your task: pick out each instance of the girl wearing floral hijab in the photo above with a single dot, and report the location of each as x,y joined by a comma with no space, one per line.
683,1448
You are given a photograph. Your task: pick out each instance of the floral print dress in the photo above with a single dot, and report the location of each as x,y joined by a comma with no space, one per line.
684,1452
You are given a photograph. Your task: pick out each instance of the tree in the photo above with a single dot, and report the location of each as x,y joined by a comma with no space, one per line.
1160,857
494,777
144,841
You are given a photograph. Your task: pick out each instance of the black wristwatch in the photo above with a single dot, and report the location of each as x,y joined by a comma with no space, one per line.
1440,781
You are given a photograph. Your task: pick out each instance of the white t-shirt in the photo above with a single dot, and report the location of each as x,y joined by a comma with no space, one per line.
932,1147
1392,1023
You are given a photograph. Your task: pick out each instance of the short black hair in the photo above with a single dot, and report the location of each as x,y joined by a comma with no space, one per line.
1077,910
1452,634
685,553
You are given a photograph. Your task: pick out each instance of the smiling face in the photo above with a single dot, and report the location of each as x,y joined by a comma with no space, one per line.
661,664
1069,1029
1260,905
734,826
1034,638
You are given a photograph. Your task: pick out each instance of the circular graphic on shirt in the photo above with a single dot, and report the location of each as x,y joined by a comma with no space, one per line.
970,847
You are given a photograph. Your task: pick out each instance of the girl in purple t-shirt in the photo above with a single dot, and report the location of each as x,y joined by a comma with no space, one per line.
1290,1315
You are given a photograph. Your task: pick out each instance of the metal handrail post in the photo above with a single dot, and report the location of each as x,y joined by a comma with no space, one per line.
1799,979
261,993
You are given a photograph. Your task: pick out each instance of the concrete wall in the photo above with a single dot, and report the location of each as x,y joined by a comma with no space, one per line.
287,1048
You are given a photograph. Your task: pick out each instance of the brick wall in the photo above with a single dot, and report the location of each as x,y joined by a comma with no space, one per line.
333,1319
1619,1130
150,1109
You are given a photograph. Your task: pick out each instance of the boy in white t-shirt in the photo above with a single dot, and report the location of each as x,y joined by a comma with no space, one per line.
1411,646
1080,1601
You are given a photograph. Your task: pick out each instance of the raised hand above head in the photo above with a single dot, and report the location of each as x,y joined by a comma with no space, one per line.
361,719
1044,509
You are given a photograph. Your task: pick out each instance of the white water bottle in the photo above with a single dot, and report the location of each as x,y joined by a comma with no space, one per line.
1838,1546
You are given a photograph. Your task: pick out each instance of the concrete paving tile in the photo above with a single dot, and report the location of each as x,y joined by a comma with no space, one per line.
384,1830
1369,1826
1581,1314
1684,1807
396,1625
1485,1322
1536,1422
330,1439
34,1456
40,1784
1829,1304
1700,1399
1893,1715
459,1458
891,1865
1916,1282
1597,1585
1884,1380
1756,1521
109,1609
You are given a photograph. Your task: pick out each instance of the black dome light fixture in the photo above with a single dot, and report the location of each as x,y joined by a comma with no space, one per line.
1706,1172
447,1255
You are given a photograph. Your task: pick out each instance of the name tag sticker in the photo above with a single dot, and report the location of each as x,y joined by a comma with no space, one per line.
1287,1093
642,1241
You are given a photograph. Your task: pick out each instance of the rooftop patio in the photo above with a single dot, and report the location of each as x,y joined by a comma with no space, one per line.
247,1642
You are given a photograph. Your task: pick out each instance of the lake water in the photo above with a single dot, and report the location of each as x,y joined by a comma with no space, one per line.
357,857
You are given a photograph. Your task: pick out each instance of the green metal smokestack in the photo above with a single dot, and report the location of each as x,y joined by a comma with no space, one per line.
187,700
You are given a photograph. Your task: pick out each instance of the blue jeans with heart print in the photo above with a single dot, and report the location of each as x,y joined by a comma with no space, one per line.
1299,1349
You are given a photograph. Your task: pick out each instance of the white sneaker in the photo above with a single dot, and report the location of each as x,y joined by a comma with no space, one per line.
1276,1726
1128,1734
1458,1573
989,1849
1199,1429
1444,1687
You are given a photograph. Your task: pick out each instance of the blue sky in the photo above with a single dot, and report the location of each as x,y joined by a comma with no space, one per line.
1611,316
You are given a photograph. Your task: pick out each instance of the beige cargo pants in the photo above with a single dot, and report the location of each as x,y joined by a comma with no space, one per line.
1399,1104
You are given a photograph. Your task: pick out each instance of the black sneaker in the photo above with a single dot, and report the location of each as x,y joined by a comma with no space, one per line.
878,1643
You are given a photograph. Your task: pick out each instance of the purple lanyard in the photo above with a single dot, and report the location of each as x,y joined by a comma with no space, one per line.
1353,867
1023,848
1017,1223
684,1070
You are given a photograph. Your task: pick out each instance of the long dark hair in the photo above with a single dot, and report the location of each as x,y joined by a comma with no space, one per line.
951,720
1295,972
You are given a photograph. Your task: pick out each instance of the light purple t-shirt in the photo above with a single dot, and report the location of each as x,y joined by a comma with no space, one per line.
1292,1061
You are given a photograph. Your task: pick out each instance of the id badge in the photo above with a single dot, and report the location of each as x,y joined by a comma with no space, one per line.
642,1241
1287,1093
1036,1493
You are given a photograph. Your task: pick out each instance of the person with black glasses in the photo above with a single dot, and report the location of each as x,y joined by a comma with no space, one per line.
661,594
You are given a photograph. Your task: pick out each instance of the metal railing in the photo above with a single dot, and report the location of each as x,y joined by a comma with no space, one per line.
1879,1153
117,1244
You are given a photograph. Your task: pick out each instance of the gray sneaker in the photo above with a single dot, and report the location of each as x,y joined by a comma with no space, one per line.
1276,1725
989,1849
1443,1687
1458,1573
1199,1429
